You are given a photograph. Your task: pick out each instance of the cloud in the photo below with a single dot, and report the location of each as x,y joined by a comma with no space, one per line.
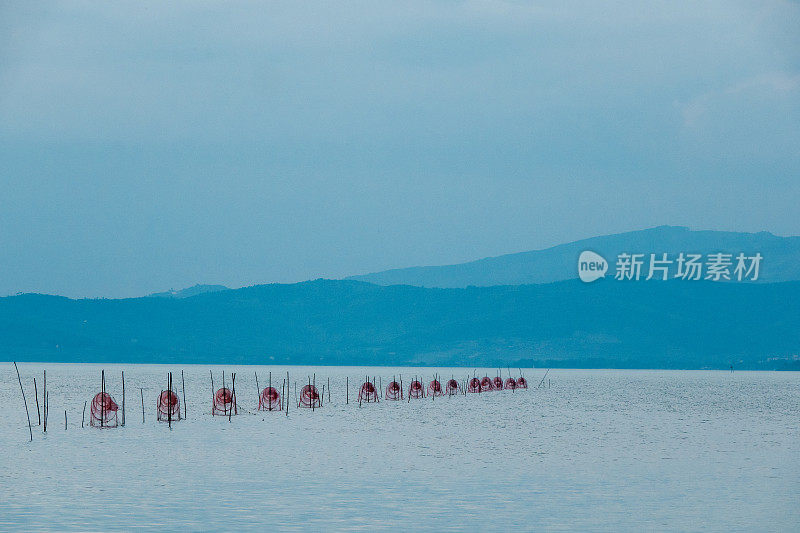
377,134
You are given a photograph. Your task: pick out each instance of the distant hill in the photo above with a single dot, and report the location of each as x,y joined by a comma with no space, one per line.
191,291
567,324
781,258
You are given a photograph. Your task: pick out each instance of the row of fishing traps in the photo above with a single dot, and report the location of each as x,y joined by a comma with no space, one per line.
104,409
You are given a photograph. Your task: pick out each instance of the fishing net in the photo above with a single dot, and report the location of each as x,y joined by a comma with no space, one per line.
487,384
510,384
452,387
269,400
415,390
168,408
224,403
368,393
522,383
103,412
309,397
394,391
474,385
435,388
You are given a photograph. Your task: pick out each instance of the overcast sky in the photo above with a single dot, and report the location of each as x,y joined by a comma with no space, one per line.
154,145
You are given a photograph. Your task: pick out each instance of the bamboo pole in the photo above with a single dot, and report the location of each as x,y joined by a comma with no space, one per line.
348,389
83,416
169,407
141,392
286,398
545,375
65,419
44,398
36,393
183,389
123,398
233,394
329,388
103,397
30,430
258,389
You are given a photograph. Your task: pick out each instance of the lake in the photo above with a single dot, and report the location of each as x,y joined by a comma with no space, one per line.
588,450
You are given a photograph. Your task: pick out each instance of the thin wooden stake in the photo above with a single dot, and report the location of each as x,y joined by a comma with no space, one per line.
233,395
83,416
103,396
545,375
44,398
123,398
169,393
141,391
36,393
183,389
30,430
65,419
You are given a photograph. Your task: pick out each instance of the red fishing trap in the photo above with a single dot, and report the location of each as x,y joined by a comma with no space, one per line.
269,400
394,391
452,387
368,393
224,403
168,408
435,388
103,412
416,390
309,397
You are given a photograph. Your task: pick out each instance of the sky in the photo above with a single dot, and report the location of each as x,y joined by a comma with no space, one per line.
150,145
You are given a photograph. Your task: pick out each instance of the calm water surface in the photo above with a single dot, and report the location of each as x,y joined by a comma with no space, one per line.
595,451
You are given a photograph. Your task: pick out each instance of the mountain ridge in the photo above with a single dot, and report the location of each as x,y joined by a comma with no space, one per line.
558,263
607,324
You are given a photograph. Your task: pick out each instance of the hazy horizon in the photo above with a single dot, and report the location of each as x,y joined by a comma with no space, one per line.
152,146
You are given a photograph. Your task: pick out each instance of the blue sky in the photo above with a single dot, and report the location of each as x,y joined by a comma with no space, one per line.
149,145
